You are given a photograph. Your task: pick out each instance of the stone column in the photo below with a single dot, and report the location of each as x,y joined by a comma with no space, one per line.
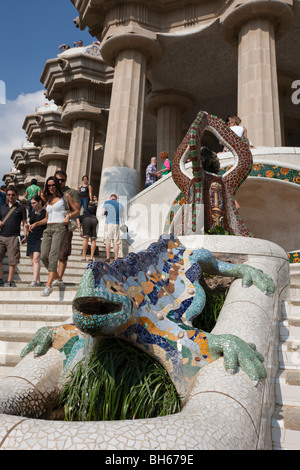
47,131
80,82
169,107
83,118
255,26
26,160
27,166
131,52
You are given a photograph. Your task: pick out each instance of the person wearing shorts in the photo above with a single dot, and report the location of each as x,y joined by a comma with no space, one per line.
113,211
10,233
67,247
87,225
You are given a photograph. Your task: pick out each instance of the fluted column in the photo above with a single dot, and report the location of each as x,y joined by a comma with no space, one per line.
47,131
255,26
80,82
131,52
169,106
126,111
258,99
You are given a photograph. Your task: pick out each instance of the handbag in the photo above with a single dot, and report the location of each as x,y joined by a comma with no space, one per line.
72,224
7,215
123,228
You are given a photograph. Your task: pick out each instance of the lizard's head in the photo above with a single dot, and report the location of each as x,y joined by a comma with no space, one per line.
96,312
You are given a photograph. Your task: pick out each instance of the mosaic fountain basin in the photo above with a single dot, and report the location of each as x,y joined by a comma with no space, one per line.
221,411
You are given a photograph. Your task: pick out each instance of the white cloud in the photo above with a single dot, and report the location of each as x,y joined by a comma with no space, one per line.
12,116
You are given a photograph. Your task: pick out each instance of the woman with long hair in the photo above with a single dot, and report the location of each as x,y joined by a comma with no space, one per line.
34,238
85,194
56,231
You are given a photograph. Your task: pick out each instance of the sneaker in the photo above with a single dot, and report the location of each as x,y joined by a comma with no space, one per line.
35,284
8,284
46,291
1,283
57,283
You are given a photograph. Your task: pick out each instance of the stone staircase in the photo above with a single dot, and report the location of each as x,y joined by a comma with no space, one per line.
23,310
286,419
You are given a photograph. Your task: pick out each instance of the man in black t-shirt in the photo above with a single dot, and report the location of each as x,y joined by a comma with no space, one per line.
10,233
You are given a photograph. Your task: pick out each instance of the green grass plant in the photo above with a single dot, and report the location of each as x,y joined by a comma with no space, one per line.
119,382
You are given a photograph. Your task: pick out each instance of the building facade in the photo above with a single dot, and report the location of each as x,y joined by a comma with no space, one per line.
152,66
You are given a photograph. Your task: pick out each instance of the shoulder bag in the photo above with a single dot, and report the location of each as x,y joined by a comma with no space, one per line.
7,215
72,224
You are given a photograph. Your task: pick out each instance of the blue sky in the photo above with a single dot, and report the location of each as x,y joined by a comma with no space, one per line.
30,34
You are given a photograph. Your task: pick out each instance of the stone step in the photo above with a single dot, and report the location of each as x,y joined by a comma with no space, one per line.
289,354
288,387
295,273
28,321
286,428
24,266
19,294
294,291
12,343
289,328
7,363
291,308
24,279
35,306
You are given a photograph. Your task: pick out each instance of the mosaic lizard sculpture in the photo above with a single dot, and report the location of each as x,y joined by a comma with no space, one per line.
150,299
215,192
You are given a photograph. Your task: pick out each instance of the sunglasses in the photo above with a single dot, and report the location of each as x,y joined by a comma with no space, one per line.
51,185
61,180
10,195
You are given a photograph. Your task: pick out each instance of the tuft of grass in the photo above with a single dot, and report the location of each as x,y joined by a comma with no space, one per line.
209,315
119,382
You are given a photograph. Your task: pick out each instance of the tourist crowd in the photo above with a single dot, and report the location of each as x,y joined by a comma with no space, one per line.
46,223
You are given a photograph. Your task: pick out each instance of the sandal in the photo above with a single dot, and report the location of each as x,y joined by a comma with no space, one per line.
83,259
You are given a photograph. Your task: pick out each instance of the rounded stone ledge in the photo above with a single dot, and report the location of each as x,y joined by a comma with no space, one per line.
131,37
238,294
220,423
246,321
275,10
238,387
33,380
82,110
177,98
234,245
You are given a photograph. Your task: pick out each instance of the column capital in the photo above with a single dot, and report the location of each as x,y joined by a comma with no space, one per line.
279,12
131,37
180,99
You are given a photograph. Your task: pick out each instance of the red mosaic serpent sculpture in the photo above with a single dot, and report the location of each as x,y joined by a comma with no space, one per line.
216,192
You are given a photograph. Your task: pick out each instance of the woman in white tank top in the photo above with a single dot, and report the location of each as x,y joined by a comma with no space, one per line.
234,123
56,231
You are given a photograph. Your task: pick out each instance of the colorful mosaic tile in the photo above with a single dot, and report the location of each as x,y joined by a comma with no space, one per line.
215,192
262,170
